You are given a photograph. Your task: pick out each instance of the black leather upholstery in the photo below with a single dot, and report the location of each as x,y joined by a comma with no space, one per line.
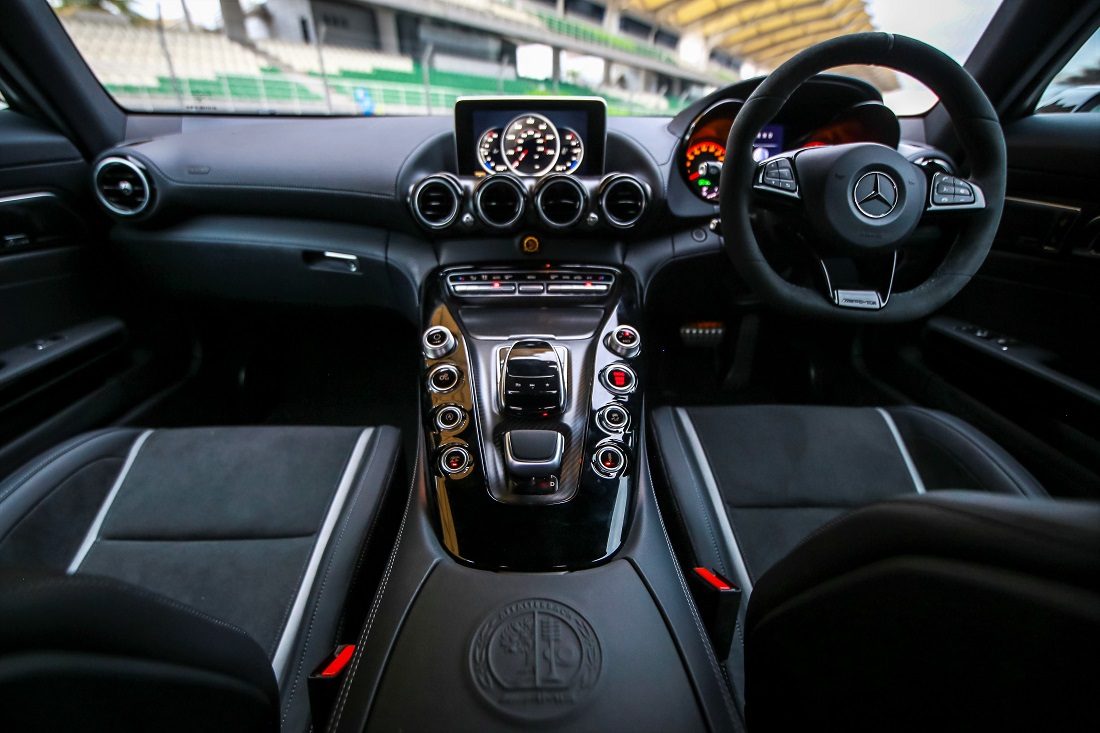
749,483
257,531
954,610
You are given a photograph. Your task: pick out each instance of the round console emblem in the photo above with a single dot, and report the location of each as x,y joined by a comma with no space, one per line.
875,194
535,658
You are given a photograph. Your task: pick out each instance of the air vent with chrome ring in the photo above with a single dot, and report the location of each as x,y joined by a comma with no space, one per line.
560,200
499,200
436,200
623,200
122,185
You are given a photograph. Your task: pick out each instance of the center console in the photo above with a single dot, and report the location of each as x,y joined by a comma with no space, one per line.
532,404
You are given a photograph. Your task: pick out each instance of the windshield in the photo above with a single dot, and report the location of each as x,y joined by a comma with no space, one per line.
403,57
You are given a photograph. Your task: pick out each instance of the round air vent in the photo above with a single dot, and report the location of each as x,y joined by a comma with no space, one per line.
560,200
499,200
436,201
122,185
623,200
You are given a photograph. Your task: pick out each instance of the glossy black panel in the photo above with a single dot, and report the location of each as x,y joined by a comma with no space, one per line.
478,517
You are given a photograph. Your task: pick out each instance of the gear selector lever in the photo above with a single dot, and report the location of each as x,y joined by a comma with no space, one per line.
533,460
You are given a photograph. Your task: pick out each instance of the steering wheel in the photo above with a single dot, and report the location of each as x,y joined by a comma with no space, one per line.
861,202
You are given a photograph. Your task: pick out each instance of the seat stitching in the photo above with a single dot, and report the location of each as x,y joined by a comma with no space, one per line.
729,518
47,459
345,690
704,502
328,567
993,459
305,567
707,649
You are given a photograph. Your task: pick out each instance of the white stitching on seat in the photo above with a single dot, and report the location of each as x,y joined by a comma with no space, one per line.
361,643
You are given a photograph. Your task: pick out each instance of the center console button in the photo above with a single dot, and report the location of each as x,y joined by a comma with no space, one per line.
624,341
449,417
455,460
609,460
613,418
437,342
443,378
531,288
619,379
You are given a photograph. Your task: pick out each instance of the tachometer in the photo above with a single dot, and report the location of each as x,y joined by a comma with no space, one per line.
488,151
704,167
531,145
572,151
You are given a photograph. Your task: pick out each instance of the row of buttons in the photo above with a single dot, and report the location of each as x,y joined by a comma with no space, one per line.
949,190
778,174
499,288
499,284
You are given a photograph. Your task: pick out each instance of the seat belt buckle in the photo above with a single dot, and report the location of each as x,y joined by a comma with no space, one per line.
324,683
719,601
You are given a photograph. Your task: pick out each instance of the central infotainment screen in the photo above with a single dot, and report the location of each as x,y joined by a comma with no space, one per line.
530,136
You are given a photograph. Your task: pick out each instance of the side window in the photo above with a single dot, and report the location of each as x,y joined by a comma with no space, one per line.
1076,88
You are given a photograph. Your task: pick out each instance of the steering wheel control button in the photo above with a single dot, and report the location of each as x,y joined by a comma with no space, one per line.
624,341
443,378
778,174
619,379
951,191
613,418
455,460
450,417
609,460
437,342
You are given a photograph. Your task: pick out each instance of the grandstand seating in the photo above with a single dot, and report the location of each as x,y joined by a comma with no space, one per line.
208,71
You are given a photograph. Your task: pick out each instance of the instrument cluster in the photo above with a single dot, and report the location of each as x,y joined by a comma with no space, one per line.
530,145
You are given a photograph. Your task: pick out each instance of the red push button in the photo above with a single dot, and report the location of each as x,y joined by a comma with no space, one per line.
619,378
609,460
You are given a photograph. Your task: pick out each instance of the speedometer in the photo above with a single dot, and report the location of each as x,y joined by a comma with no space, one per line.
531,145
488,151
704,167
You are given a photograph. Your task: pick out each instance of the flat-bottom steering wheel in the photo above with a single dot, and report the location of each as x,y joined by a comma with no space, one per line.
864,200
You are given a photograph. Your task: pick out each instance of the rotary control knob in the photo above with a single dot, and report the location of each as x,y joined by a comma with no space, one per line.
443,378
437,342
449,417
613,418
609,460
454,460
624,341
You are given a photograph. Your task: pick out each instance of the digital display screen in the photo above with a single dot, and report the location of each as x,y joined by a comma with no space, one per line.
769,142
530,137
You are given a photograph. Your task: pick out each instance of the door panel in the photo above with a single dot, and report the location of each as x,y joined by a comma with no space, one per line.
1018,351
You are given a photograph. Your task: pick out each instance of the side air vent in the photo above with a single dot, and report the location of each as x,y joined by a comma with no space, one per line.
560,200
122,186
499,200
436,201
623,200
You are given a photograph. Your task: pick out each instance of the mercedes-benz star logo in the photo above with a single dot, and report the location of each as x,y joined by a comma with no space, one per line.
875,194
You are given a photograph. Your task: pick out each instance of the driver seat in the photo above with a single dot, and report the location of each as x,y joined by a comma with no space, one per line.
747,484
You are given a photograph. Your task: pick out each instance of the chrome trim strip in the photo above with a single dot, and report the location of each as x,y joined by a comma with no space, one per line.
19,198
1041,204
97,523
297,611
918,484
716,501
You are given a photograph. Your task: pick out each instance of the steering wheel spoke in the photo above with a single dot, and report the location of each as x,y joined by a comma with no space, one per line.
846,281
776,177
949,194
